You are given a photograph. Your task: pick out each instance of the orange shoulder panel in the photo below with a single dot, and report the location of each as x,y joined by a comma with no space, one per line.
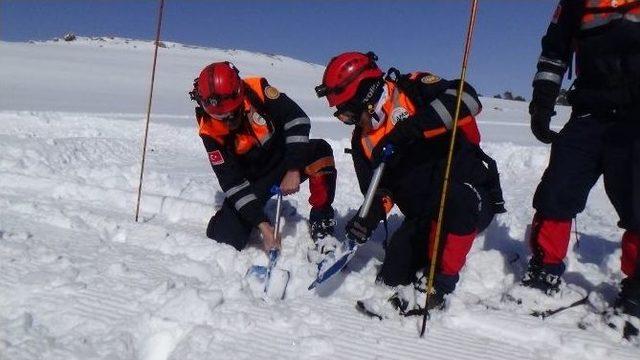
255,84
216,130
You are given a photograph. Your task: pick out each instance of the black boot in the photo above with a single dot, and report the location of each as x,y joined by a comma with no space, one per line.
442,286
545,278
629,298
321,223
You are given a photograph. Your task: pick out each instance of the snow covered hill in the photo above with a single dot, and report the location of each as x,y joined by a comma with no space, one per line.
80,280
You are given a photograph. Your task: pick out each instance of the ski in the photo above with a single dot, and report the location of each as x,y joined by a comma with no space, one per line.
361,307
397,303
543,314
630,331
617,322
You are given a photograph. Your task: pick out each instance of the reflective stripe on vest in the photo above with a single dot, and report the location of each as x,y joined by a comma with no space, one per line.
602,12
398,108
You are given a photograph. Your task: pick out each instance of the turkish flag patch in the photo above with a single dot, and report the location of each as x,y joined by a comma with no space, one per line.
215,157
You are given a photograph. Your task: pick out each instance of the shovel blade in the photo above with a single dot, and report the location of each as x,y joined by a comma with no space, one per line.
256,278
276,286
267,284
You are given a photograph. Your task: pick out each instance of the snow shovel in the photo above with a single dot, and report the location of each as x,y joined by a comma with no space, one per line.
269,280
336,262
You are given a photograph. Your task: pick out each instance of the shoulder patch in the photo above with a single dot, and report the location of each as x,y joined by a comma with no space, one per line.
215,157
399,114
430,79
258,119
271,93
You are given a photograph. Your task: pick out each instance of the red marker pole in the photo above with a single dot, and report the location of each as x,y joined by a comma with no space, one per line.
447,171
146,126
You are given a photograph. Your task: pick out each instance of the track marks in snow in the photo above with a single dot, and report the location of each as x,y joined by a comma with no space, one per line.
99,284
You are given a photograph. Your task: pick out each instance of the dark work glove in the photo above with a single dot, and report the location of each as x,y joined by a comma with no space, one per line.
540,120
541,107
358,230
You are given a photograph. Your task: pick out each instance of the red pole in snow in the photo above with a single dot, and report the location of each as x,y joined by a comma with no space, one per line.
146,127
447,171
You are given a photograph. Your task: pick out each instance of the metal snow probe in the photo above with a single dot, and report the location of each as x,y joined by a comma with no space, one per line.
375,182
265,274
276,229
447,170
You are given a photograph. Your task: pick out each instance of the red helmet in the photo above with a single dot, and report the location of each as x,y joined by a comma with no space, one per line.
343,76
219,89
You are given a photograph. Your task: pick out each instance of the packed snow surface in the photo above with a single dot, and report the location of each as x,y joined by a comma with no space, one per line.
79,279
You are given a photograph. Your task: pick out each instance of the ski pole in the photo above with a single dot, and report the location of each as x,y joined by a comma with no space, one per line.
146,127
447,171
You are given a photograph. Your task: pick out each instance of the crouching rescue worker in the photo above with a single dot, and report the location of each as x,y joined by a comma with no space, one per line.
413,113
256,137
602,136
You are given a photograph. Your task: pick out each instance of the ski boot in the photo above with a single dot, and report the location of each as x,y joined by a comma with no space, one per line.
321,229
321,223
542,279
411,300
545,278
380,302
628,305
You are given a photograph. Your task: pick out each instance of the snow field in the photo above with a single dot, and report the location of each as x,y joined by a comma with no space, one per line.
80,280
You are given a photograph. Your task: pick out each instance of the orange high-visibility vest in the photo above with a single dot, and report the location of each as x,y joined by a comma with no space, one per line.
398,107
245,140
602,12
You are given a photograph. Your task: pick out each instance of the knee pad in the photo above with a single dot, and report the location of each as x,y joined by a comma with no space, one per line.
322,187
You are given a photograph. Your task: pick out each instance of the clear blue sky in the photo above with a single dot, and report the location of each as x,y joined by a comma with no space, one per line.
411,35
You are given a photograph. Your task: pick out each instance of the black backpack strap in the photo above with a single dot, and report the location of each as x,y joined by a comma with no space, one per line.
406,85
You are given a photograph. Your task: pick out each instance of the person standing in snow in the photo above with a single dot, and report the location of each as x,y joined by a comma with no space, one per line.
601,137
256,137
413,113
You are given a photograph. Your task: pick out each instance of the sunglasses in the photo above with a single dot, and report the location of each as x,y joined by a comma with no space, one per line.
215,100
349,113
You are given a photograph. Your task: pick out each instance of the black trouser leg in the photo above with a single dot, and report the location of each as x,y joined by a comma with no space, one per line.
574,167
227,227
622,172
405,253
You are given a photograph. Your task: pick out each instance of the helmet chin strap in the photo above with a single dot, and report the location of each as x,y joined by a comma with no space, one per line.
234,121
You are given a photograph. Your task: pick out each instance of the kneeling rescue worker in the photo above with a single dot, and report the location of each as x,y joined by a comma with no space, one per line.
413,113
256,137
